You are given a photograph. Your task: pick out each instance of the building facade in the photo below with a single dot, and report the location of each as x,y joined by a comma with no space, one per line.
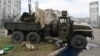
94,14
81,20
9,10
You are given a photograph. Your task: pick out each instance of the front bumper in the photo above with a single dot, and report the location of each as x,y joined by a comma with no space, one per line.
91,36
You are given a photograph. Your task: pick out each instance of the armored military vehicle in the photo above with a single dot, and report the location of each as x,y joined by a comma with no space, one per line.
64,28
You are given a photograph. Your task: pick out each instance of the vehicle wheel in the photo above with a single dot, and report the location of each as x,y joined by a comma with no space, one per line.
78,41
33,37
17,37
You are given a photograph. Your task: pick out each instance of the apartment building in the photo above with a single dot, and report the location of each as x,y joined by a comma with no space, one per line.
9,10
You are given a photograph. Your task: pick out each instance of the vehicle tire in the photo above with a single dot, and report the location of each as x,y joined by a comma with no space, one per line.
17,37
78,41
33,37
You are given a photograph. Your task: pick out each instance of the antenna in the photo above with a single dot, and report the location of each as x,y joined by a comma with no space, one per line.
29,4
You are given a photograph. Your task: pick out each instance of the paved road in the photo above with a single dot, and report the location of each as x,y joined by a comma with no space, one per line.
93,51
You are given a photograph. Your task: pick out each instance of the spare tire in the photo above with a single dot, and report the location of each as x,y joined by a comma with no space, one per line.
78,41
17,37
33,37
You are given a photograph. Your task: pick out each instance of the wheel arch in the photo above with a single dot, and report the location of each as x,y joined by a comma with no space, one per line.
76,33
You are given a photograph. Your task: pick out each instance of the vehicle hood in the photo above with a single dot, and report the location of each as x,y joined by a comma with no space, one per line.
82,26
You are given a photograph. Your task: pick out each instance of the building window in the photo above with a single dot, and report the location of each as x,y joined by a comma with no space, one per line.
9,1
4,2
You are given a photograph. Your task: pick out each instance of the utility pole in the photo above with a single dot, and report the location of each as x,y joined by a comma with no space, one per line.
29,5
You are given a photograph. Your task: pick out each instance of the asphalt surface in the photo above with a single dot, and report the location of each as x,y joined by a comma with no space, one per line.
94,49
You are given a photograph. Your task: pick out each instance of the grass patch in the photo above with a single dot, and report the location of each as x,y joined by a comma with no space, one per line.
19,50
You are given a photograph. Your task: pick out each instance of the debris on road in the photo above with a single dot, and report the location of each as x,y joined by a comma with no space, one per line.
91,45
1,52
